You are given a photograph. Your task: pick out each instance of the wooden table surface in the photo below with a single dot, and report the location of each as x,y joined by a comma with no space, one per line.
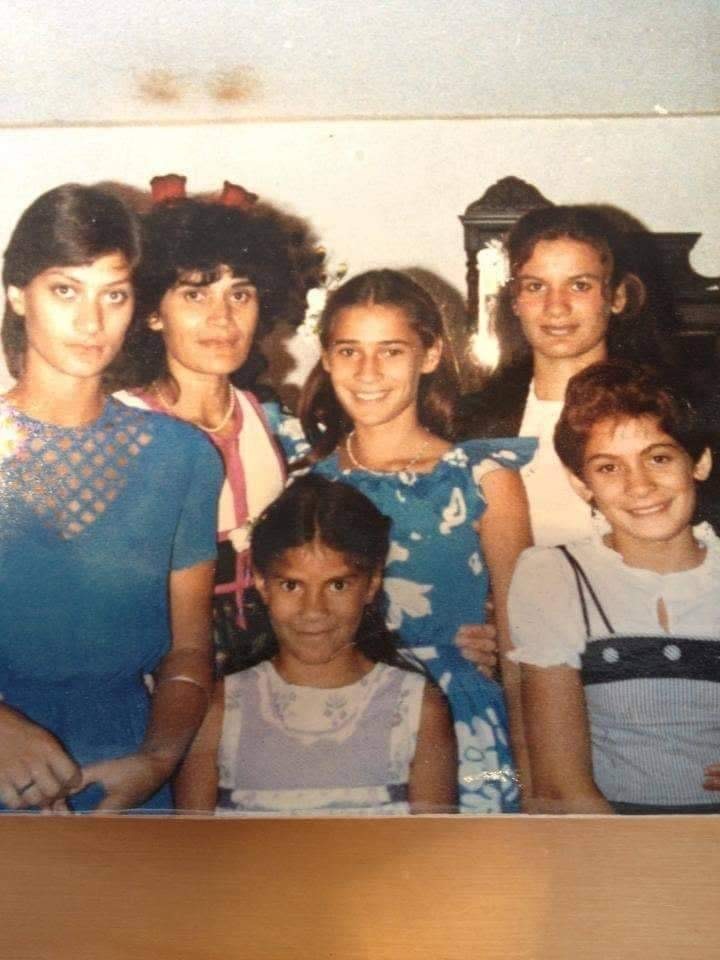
436,888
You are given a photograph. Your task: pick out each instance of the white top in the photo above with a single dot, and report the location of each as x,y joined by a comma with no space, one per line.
557,513
287,748
545,614
652,697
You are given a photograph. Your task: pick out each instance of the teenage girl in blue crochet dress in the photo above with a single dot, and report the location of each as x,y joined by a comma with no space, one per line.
107,532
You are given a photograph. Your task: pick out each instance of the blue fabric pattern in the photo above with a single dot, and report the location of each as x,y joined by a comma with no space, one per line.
92,521
435,581
287,431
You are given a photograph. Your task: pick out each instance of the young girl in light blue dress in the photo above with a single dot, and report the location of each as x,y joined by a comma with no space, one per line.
378,410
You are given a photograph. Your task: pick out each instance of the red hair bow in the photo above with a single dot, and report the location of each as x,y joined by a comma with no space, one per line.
233,195
171,186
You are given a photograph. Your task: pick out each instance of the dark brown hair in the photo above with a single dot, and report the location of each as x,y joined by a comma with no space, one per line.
187,236
316,510
630,330
618,390
323,418
69,226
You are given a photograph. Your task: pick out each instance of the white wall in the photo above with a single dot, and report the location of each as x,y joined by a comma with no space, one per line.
388,192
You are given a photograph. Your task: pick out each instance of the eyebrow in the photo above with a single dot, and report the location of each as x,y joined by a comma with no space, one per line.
653,446
575,276
380,343
351,574
69,276
206,279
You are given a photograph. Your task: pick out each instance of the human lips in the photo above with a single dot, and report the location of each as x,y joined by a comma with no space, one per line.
649,510
89,350
219,343
559,329
368,396
313,631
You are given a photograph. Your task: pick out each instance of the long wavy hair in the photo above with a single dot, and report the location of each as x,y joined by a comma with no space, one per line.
69,226
324,420
316,510
184,236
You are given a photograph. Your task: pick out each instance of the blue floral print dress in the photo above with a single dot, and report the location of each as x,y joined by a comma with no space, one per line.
436,580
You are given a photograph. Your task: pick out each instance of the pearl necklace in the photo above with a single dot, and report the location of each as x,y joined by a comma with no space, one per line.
216,429
382,473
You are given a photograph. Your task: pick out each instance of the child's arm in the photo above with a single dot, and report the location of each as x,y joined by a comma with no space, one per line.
196,783
504,531
432,786
558,739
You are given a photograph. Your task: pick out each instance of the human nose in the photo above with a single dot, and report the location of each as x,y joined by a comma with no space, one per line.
314,602
556,301
638,480
220,312
89,318
367,367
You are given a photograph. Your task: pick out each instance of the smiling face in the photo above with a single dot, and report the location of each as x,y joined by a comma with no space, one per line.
642,480
75,317
207,327
375,360
563,300
315,599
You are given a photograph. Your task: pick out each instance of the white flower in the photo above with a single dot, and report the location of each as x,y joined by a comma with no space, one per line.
493,274
397,553
315,301
406,598
457,457
316,298
475,563
455,513
292,428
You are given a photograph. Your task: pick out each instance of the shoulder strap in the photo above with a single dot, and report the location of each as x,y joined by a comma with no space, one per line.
583,584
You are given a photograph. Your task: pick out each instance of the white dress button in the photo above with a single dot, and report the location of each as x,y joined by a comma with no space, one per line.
610,655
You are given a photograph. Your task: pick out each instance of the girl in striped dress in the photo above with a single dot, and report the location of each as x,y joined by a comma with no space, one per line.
619,633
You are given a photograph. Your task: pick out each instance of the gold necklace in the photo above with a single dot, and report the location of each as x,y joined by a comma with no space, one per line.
381,473
216,429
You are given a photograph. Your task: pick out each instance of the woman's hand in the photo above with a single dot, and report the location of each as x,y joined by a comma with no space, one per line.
127,781
478,643
35,770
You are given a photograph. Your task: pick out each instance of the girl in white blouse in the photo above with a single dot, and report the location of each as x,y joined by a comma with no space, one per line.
618,634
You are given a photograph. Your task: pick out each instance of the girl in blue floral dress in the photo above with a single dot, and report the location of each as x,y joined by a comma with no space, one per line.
378,410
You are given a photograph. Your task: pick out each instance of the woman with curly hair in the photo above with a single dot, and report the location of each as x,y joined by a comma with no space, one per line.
213,274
